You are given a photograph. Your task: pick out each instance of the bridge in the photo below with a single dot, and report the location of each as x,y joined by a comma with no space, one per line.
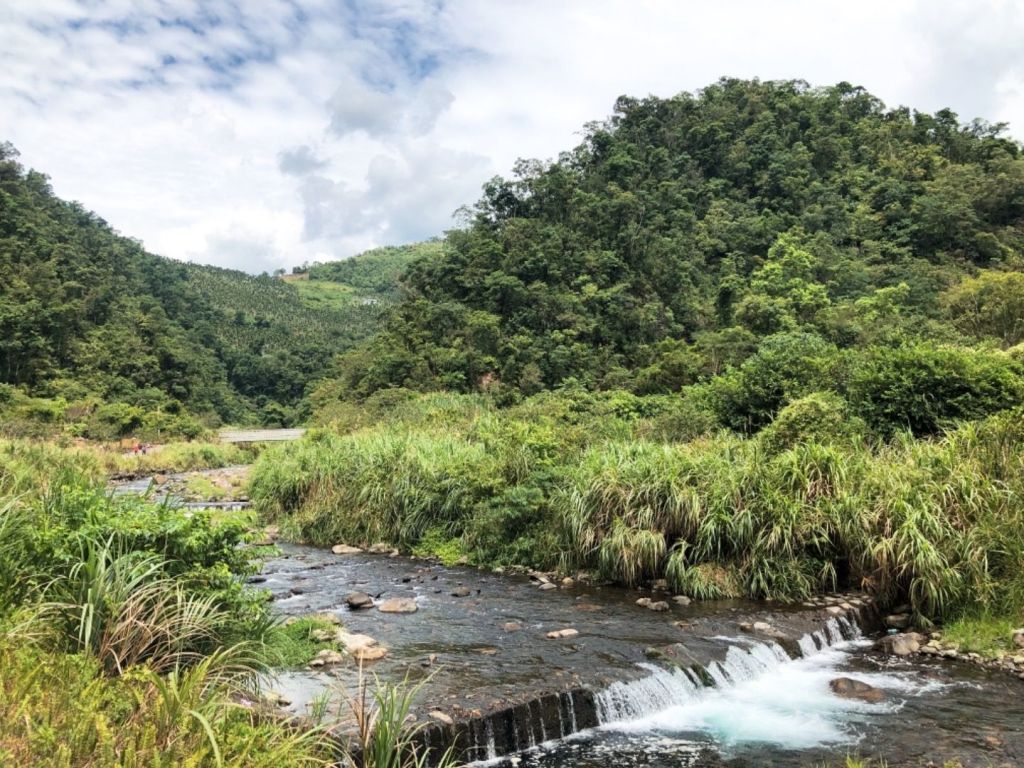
259,435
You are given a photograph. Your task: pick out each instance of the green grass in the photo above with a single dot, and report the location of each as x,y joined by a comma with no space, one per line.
568,481
292,645
988,635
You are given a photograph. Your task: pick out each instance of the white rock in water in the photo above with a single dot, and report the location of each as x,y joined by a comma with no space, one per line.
398,605
441,717
560,633
345,549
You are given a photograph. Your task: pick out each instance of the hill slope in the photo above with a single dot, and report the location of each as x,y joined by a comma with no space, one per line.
100,337
683,231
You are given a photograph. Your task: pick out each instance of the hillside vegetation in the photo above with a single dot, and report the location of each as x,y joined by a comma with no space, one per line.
761,340
683,232
98,337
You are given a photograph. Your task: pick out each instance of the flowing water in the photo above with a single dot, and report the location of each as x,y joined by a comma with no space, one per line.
754,705
722,698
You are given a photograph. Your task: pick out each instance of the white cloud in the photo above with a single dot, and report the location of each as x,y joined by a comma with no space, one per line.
258,137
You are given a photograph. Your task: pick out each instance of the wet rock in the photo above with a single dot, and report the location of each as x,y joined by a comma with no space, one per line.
460,592
441,717
353,642
659,606
849,688
546,586
644,602
326,658
358,601
558,634
398,605
902,645
681,600
373,653
486,651
568,581
512,626
345,549
897,620
379,549
256,580
835,610
297,590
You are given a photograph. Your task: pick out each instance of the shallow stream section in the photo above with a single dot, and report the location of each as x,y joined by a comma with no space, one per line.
696,685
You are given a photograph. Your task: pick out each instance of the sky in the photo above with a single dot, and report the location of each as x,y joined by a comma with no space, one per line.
258,134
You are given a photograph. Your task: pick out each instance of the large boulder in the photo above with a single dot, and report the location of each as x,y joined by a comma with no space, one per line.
358,601
849,688
903,644
398,605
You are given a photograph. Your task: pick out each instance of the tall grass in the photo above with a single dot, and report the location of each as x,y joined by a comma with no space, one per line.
936,522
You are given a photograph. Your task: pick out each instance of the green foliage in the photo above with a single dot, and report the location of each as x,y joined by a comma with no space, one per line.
573,478
924,388
821,417
990,305
684,231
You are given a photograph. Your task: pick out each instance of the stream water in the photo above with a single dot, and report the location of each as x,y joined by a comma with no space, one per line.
755,704
764,708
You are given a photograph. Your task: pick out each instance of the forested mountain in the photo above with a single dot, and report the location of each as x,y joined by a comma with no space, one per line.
686,233
101,337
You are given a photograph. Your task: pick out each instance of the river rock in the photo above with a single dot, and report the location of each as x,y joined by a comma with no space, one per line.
1018,637
512,626
644,602
326,658
379,549
441,717
276,699
902,645
460,592
849,688
353,642
373,653
359,600
546,586
660,605
558,634
398,605
898,620
345,549
681,600
568,581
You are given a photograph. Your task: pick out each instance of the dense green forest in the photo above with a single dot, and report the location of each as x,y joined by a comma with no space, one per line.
99,337
687,238
763,340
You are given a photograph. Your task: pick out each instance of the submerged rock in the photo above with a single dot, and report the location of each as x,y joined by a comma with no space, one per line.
546,586
358,601
849,688
398,605
661,605
460,592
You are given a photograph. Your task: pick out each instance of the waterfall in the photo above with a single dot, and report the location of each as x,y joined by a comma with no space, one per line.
664,687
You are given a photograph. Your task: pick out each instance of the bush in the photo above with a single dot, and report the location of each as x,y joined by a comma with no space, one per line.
925,389
821,417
